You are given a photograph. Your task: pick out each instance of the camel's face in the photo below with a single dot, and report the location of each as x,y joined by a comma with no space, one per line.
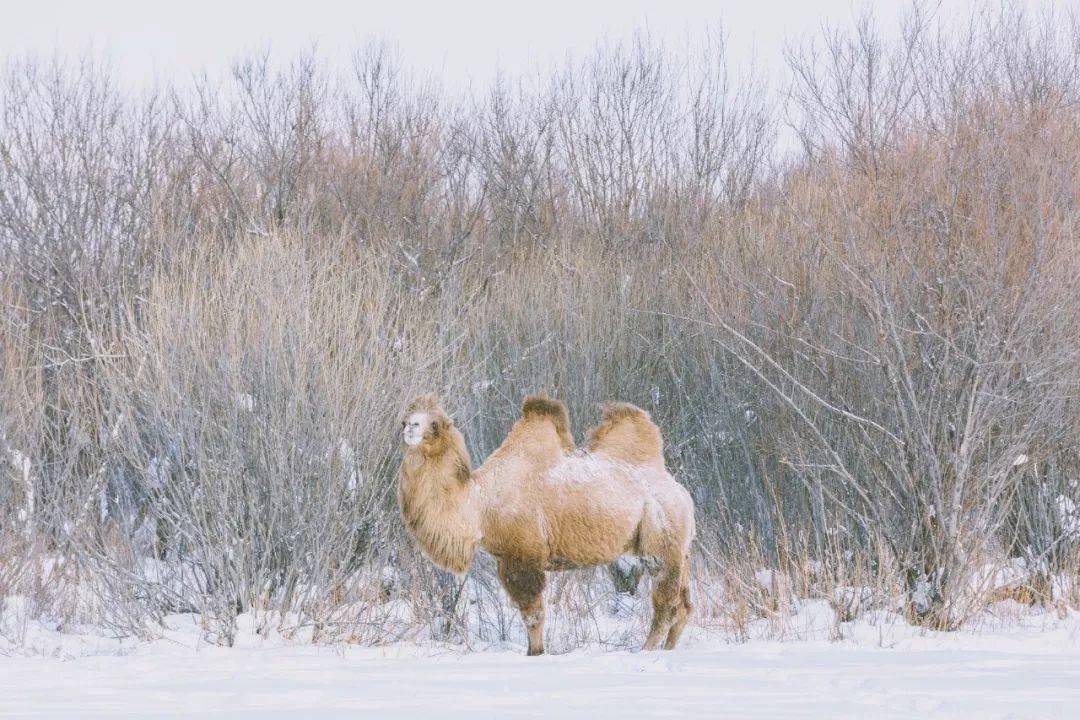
415,427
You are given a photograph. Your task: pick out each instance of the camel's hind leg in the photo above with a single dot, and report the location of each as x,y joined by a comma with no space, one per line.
682,612
666,603
524,583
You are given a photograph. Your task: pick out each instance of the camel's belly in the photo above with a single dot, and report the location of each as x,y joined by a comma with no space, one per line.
591,534
585,512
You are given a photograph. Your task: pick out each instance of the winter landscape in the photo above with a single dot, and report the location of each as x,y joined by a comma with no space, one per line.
726,386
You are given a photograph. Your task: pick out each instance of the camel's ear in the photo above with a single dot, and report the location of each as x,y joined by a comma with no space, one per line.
441,424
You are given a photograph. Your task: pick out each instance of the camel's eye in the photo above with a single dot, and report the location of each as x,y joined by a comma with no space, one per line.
402,423
434,424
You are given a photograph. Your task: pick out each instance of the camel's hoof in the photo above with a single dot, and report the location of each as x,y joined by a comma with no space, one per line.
531,652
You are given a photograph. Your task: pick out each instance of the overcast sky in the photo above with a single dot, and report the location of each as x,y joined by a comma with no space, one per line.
458,41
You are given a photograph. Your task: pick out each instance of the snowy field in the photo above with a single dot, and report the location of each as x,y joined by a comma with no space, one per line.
1030,670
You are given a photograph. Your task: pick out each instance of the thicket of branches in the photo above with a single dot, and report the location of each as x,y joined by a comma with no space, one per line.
864,353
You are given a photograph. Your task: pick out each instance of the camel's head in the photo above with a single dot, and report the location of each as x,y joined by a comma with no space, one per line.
424,421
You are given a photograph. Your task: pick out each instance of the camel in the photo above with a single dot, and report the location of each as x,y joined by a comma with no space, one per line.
538,504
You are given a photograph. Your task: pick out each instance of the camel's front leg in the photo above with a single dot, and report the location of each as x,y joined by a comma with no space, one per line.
524,583
448,587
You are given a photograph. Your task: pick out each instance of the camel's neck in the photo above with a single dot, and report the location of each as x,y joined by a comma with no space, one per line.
440,505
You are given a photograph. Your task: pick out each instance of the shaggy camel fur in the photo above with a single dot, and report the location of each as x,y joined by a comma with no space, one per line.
536,504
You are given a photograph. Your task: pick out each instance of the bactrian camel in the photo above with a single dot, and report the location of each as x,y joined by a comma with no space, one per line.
538,504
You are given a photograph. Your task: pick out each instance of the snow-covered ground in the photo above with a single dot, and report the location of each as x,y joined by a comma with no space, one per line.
1025,669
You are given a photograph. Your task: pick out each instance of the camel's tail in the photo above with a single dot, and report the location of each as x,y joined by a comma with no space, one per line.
554,411
628,433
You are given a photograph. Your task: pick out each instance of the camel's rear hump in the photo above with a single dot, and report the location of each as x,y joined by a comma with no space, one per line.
627,433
